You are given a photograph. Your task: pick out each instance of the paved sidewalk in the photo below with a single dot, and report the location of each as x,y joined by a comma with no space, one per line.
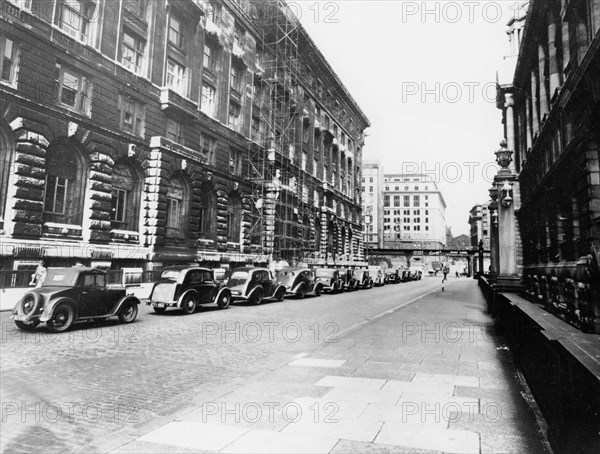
427,377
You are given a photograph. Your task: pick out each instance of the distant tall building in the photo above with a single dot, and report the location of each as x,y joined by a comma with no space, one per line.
372,182
414,211
480,222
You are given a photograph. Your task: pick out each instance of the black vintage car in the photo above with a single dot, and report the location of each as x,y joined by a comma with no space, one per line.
185,288
330,279
348,278
253,285
363,279
392,276
299,282
68,295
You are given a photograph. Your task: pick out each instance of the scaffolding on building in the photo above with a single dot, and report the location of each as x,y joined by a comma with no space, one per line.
277,166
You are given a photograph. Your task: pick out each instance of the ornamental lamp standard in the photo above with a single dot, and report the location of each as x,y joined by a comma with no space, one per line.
503,158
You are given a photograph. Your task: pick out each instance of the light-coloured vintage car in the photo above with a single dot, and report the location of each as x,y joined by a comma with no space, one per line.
186,288
73,294
299,282
377,275
253,285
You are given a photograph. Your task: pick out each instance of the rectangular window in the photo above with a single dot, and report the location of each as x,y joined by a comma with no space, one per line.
173,217
8,60
74,90
235,162
417,200
304,160
234,115
79,19
174,131
386,201
396,200
236,78
208,146
132,51
175,31
131,115
175,75
406,200
119,204
56,194
208,100
23,4
209,58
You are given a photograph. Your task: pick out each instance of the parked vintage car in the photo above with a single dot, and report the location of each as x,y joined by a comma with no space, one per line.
404,274
254,285
348,278
392,276
299,282
185,288
377,274
73,294
330,279
363,279
416,273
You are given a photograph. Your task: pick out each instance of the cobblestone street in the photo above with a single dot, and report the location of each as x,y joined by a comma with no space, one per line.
400,366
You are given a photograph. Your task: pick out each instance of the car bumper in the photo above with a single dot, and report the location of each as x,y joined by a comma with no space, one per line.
25,318
161,304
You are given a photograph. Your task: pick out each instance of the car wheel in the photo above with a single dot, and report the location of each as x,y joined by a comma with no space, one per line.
224,300
159,310
188,305
280,295
27,326
318,291
128,312
62,318
301,293
256,298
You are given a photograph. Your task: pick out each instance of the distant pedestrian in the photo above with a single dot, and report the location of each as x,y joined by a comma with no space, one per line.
457,274
39,276
446,271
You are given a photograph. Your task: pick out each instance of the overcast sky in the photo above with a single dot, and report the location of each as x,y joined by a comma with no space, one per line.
424,73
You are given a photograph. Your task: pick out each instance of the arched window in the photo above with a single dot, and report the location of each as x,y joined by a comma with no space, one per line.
207,216
234,218
256,225
126,195
318,234
8,148
64,191
177,209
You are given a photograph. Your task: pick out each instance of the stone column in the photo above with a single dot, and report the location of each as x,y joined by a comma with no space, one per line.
553,43
509,103
528,121
494,253
542,56
535,119
508,279
566,49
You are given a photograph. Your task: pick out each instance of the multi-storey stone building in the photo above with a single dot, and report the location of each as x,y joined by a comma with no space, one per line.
414,212
480,222
551,114
143,133
372,204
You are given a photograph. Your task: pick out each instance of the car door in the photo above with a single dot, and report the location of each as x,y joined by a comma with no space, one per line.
266,281
92,295
207,287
